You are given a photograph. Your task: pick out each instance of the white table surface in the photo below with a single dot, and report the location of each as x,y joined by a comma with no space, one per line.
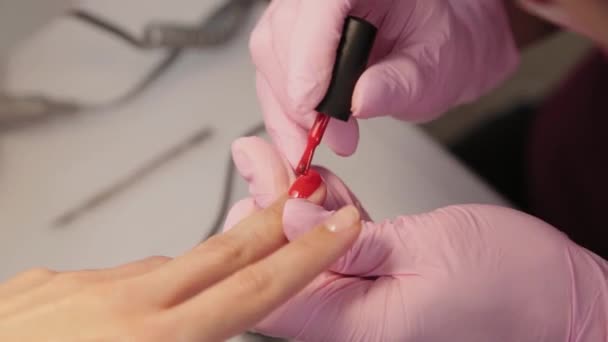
49,169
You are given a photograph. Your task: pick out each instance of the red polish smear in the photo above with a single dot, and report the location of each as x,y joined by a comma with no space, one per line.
314,139
305,185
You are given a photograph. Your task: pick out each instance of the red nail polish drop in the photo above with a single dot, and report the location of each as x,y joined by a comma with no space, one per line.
306,185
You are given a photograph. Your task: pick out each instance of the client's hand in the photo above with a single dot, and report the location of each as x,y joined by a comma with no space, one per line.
219,289
462,273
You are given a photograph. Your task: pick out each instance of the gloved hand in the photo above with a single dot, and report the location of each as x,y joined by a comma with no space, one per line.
462,273
430,55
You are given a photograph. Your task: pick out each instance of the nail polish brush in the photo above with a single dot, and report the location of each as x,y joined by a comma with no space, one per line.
351,61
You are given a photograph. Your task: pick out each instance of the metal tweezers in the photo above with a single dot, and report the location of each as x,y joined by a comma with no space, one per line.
224,24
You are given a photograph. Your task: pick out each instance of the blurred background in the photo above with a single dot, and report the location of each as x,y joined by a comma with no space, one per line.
543,67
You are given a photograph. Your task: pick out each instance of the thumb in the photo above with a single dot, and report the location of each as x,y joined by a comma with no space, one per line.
404,87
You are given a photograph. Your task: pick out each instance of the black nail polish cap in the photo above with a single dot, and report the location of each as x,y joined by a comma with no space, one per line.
352,57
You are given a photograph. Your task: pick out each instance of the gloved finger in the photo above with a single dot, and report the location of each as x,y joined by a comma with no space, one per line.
338,194
269,46
285,133
262,167
400,86
239,211
342,137
315,38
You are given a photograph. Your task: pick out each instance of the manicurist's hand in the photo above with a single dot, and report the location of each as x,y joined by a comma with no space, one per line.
219,289
471,273
429,56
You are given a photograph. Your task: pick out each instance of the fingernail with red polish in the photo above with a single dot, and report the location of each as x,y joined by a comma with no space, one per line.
305,185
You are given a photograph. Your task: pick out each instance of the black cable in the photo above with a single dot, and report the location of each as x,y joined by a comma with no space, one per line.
228,188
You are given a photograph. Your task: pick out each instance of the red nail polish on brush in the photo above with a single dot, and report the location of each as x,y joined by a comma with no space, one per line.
315,135
351,60
305,185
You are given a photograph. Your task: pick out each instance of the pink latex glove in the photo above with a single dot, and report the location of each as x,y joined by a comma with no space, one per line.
430,55
463,273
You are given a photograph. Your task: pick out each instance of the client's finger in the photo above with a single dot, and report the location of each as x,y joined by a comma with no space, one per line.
131,269
26,280
249,241
370,256
258,289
